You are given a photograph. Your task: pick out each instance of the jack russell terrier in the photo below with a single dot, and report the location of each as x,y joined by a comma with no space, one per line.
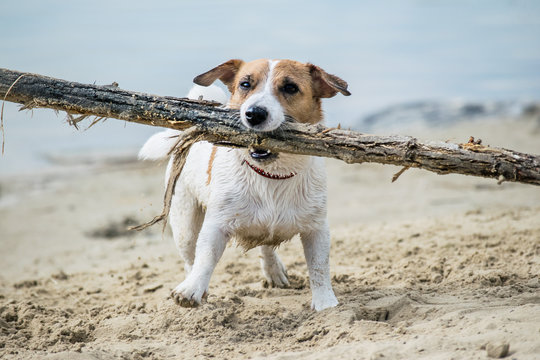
255,196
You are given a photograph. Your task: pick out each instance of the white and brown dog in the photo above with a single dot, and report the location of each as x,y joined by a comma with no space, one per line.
255,196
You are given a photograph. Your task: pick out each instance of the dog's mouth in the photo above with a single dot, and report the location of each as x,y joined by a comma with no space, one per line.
261,154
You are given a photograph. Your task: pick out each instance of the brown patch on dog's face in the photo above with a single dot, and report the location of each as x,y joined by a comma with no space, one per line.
249,79
293,87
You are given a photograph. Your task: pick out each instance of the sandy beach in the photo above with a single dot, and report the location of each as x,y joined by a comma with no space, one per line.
428,267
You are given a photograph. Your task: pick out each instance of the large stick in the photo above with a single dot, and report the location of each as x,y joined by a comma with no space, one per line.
222,126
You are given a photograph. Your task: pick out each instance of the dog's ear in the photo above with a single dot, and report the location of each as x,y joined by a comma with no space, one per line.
326,85
225,72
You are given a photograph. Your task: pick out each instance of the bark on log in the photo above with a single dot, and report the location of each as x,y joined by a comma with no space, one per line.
221,126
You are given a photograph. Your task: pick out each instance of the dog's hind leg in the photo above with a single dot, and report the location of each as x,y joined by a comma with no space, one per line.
273,269
185,217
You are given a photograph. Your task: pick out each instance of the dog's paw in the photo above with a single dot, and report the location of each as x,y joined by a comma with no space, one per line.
324,301
187,295
275,274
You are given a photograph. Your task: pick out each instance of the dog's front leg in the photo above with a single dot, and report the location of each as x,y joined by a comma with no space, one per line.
210,246
317,251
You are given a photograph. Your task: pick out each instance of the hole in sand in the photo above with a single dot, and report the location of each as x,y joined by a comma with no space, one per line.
390,309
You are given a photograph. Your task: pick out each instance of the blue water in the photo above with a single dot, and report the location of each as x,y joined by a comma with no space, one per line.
390,52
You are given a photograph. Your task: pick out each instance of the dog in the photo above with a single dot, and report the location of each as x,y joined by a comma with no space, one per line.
258,197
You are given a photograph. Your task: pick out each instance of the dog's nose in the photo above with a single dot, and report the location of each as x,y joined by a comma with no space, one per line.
256,115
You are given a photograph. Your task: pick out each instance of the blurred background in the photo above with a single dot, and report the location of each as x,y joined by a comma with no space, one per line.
423,250
408,63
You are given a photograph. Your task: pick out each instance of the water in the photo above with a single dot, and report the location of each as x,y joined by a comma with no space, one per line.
390,52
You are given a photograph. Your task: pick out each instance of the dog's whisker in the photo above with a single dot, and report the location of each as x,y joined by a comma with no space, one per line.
290,119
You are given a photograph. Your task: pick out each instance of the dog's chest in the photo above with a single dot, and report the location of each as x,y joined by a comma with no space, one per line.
273,212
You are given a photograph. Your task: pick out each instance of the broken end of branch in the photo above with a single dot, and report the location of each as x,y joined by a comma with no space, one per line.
2,112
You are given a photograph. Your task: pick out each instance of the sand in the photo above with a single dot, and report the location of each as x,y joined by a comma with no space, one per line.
429,267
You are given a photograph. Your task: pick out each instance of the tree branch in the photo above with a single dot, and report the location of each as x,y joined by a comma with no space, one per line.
221,126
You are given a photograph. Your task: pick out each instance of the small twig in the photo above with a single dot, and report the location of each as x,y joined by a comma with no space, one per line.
2,113
474,142
96,120
74,121
327,130
30,106
71,120
398,174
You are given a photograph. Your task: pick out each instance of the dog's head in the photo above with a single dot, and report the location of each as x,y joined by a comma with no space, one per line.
268,92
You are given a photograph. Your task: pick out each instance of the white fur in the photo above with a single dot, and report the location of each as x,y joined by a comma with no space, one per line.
239,203
209,93
159,145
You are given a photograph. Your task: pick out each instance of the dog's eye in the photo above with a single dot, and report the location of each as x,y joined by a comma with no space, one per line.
245,85
290,88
